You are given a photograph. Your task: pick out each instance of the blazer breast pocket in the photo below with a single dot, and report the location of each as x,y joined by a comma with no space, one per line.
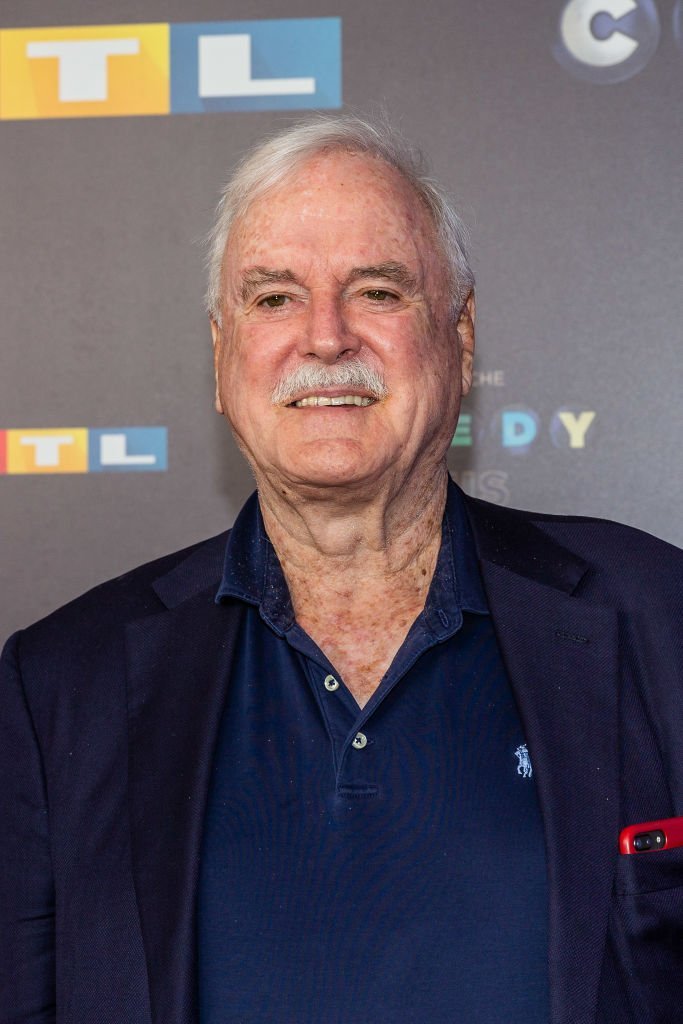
655,871
646,929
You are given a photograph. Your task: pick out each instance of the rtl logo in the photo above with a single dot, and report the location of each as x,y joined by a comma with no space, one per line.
110,70
83,450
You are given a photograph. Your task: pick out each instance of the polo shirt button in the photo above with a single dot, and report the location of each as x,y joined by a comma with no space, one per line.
359,741
331,684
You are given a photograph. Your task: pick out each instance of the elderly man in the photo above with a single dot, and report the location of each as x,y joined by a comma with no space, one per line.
367,756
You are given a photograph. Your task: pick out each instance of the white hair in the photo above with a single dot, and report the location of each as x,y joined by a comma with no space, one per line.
278,157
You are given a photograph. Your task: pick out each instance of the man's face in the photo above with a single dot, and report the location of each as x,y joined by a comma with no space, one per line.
340,263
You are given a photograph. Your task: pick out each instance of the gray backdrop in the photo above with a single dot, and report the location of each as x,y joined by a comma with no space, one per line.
571,185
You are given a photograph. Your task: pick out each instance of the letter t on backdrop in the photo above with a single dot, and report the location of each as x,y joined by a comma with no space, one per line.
84,71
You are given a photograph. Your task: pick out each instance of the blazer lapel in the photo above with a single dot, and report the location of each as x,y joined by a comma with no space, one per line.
178,670
561,654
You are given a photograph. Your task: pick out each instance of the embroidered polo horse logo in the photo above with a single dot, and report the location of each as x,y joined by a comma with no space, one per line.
523,762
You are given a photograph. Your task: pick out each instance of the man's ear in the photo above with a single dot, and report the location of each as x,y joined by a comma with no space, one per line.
217,338
465,329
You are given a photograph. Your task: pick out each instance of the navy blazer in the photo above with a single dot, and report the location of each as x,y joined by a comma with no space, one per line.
110,710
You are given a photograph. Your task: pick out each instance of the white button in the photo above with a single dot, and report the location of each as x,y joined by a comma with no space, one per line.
331,684
359,741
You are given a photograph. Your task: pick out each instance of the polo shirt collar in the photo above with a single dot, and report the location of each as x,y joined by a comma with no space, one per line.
252,572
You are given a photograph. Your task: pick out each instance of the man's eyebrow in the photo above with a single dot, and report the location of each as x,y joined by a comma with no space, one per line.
389,271
255,277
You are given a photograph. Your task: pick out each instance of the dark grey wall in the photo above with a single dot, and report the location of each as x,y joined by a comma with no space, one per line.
572,188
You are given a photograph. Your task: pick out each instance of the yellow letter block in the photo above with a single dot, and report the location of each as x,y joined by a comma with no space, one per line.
84,71
58,450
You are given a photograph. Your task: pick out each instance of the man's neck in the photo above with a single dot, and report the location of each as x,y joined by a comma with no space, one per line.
378,536
359,573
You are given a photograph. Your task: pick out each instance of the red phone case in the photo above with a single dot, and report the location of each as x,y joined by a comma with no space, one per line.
671,827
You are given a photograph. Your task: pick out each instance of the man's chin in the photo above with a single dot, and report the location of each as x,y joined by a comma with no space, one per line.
328,479
331,470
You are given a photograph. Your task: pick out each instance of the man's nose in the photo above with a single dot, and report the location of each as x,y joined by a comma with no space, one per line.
327,334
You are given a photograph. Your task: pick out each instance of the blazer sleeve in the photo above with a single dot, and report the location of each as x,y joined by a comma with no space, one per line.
27,901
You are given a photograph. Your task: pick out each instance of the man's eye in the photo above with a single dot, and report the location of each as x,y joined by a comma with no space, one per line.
273,301
378,294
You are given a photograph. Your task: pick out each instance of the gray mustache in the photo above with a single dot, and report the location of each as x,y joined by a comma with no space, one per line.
353,373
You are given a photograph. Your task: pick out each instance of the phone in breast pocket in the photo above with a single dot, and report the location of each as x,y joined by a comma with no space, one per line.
650,836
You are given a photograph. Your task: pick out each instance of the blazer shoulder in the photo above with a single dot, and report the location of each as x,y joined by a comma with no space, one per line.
132,595
621,559
614,546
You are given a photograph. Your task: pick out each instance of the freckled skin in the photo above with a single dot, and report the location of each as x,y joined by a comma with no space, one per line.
361,628
353,497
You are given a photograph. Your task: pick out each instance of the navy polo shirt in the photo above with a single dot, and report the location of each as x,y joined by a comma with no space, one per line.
384,864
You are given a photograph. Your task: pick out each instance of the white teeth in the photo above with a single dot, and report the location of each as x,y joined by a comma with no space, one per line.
337,400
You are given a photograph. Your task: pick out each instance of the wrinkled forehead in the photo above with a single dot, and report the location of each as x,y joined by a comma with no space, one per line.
344,200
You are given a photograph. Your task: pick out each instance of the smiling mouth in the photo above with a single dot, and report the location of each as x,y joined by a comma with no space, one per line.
322,400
